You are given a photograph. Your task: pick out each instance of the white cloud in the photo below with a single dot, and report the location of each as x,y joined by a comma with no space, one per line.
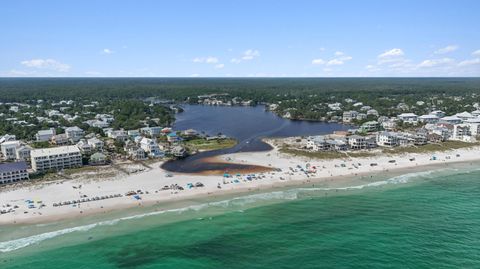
48,64
335,62
107,51
446,49
436,62
469,62
339,59
250,54
194,75
344,58
318,61
207,60
211,60
476,53
246,56
391,53
219,66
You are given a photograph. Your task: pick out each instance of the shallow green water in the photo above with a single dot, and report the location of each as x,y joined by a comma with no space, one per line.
431,222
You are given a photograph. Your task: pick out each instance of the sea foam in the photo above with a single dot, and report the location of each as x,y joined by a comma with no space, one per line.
291,194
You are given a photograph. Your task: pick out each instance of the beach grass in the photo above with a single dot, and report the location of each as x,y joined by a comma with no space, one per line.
201,144
437,147
428,148
313,154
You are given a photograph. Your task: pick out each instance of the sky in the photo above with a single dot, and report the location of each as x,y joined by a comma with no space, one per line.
232,38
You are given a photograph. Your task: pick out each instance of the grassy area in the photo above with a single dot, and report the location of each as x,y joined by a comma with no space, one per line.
82,169
448,145
312,154
201,144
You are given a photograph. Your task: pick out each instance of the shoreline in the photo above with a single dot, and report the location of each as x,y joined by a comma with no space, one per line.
151,181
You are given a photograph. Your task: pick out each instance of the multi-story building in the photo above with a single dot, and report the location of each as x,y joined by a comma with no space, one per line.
9,149
152,131
59,139
428,118
74,133
370,126
13,172
151,148
408,117
357,142
387,139
55,158
348,116
45,135
23,153
96,144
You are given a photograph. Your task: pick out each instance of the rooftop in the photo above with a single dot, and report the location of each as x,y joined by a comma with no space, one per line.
54,151
11,167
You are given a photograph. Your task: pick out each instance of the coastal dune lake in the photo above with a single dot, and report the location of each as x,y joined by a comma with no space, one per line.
425,217
246,124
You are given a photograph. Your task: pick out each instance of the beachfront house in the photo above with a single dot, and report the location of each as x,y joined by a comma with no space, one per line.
408,118
96,144
387,139
317,143
134,152
45,135
57,158
356,142
74,133
98,159
13,172
151,148
337,144
442,132
461,132
84,147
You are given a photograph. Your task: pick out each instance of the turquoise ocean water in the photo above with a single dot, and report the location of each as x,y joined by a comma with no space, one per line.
428,219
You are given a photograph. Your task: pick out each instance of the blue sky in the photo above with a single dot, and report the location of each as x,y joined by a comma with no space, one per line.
239,38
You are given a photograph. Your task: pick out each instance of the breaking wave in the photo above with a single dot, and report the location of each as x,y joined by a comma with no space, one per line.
291,194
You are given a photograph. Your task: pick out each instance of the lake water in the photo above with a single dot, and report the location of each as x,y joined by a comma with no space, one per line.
246,124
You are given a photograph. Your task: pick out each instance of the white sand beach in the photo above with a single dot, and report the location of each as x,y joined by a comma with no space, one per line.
35,203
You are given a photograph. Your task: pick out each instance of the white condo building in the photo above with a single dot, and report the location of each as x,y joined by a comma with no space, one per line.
55,158
13,172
